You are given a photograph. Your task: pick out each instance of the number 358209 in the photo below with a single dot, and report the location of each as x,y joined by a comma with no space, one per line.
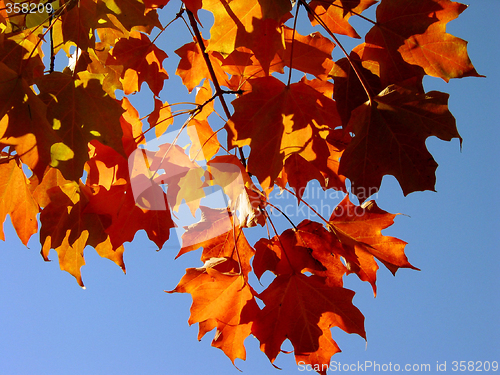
28,8
474,366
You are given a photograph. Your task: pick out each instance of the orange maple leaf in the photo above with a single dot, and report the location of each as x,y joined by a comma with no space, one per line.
410,39
359,230
16,199
336,13
309,54
219,239
193,69
225,301
234,21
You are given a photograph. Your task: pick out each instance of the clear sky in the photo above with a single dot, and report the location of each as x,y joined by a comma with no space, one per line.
126,324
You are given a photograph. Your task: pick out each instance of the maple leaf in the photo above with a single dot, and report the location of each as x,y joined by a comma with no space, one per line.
131,127
130,13
127,218
390,136
307,248
78,22
298,172
414,33
97,65
220,238
16,199
142,62
359,228
336,13
39,189
161,117
80,111
234,21
225,301
22,50
277,121
68,228
105,167
243,64
24,122
112,196
324,248
303,309
245,203
349,93
282,256
193,69
311,53
266,40
182,176
204,141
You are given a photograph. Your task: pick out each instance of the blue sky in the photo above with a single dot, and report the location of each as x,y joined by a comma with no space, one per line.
446,312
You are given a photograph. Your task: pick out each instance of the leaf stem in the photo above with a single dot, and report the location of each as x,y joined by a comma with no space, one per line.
308,205
279,240
281,212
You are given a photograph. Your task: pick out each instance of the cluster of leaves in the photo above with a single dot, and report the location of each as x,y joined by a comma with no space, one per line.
66,139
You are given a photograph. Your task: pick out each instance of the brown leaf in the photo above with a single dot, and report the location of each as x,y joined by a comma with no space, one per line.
277,121
390,139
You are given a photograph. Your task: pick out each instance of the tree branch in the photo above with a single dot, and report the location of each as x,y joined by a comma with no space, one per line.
218,91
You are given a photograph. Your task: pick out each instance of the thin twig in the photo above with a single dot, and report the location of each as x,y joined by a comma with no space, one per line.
52,55
281,243
281,212
308,205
